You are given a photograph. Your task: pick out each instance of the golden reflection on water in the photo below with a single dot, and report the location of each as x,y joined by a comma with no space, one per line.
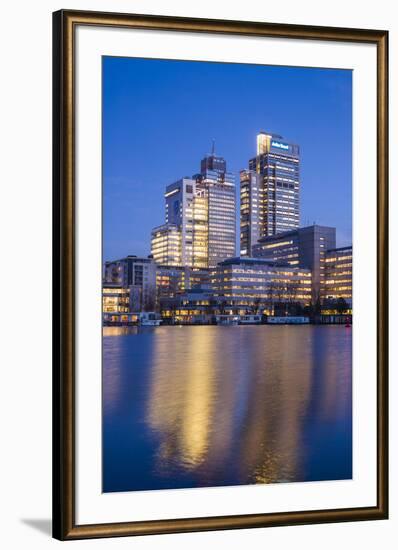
205,399
182,401
278,402
228,403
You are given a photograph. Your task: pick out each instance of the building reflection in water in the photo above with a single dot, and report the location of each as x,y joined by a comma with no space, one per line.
182,400
112,380
209,406
233,406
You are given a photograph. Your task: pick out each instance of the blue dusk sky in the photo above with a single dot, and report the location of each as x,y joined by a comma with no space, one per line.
160,117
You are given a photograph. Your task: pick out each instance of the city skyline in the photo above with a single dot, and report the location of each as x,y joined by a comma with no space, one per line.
133,204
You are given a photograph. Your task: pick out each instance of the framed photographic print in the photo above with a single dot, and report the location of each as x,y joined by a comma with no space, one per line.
220,274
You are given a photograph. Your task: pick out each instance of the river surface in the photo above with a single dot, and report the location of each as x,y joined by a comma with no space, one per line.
200,406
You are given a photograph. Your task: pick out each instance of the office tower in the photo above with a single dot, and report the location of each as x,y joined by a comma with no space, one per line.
277,165
179,198
305,247
338,274
200,258
200,216
166,244
249,211
217,186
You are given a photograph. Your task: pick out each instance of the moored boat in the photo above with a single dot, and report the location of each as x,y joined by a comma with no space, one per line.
227,320
149,319
287,320
250,319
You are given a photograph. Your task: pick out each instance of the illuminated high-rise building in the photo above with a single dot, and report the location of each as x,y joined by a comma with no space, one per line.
200,228
273,205
179,198
216,185
249,211
200,259
166,244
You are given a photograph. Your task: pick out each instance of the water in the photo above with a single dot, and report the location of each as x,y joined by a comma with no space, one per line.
209,406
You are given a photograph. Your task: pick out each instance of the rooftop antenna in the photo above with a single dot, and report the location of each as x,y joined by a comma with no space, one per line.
213,145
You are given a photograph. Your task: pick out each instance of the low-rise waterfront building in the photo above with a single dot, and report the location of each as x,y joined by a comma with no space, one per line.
305,247
259,284
115,298
191,307
120,319
139,275
242,287
174,280
171,281
338,278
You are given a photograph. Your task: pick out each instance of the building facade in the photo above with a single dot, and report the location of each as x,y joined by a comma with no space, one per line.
191,307
338,276
137,274
179,199
174,280
249,211
200,228
217,188
274,199
115,298
171,281
304,247
262,283
166,246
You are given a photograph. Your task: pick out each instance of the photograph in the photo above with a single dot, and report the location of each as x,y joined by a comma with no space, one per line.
200,191
226,274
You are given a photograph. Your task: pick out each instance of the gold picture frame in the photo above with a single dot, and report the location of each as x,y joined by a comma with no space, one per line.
64,30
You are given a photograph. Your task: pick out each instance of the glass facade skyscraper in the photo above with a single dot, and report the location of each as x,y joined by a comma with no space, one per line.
166,244
270,190
217,185
179,199
200,228
249,211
